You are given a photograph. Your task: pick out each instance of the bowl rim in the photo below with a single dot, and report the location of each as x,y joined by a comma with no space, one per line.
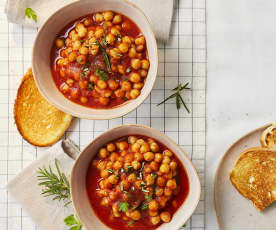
159,133
86,116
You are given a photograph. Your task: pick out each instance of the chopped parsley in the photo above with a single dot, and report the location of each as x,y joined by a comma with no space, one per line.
90,86
85,72
128,70
131,222
104,42
144,207
153,175
102,74
118,176
130,168
79,60
123,206
148,198
110,171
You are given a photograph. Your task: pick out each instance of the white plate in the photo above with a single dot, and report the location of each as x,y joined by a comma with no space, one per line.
234,212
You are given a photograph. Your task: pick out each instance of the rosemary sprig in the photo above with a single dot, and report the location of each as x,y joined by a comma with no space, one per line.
178,97
54,184
106,59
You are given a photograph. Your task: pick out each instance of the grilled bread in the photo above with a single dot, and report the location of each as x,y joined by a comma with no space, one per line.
39,122
254,176
268,138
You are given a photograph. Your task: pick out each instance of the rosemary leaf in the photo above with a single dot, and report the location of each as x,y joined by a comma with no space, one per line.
106,59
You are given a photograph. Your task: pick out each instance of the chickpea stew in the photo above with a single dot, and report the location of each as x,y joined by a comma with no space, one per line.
136,182
100,60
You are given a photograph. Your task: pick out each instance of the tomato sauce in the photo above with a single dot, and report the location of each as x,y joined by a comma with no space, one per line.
105,213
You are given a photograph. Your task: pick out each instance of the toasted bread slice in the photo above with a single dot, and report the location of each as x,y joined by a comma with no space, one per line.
254,176
268,138
39,122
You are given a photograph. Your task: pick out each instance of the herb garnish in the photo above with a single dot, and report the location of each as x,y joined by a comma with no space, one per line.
148,198
54,184
178,96
128,70
104,42
106,59
102,74
124,98
130,168
153,175
131,222
110,171
118,176
123,206
79,60
30,13
85,72
90,86
74,222
140,177
144,207
122,170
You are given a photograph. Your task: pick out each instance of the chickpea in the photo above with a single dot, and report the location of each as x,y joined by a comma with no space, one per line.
135,147
112,179
166,160
154,166
168,153
64,88
72,57
126,86
153,213
70,82
129,157
84,50
144,148
82,32
91,34
102,184
132,53
103,153
136,165
123,47
167,192
125,184
112,84
131,178
105,201
114,30
108,15
160,181
98,17
138,85
134,93
138,156
158,157
75,93
110,39
117,19
87,22
159,191
81,59
114,68
147,169
149,180
153,205
76,45
101,84
126,165
119,93
140,41
132,139
164,168
114,157
162,201
110,147
122,145
104,100
155,220
171,184
99,33
173,165
93,50
165,217
83,100
112,195
115,210
104,173
93,78
135,215
101,165
145,64
83,84
135,63
143,73
126,39
117,165
134,77
59,43
149,156
101,193
154,147
140,141
122,69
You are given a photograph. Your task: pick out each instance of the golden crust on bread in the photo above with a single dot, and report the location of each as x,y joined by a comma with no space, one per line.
254,176
39,122
268,138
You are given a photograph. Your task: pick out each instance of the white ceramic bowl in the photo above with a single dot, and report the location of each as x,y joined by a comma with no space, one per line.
45,39
78,177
